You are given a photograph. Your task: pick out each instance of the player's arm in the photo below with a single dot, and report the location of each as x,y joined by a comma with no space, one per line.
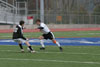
40,28
23,27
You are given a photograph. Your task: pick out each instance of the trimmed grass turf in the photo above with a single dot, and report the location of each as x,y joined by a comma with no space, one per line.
72,56
69,34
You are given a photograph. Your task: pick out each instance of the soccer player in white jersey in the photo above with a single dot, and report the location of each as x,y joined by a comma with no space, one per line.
18,37
47,34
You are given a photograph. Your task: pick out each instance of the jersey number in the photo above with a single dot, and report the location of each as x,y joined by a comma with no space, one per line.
15,30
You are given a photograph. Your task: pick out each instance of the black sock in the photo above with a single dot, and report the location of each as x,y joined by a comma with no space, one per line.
30,48
20,45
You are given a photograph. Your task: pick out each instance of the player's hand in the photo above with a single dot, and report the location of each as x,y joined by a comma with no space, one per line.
27,39
24,28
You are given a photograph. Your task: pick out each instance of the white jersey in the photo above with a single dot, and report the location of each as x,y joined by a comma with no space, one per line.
45,29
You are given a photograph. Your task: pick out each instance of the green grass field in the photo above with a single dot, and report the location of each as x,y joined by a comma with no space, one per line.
69,34
72,56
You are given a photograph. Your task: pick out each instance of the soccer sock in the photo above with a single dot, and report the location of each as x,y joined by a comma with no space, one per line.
20,45
58,44
30,48
42,43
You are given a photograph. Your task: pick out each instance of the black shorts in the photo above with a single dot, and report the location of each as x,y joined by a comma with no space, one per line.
48,36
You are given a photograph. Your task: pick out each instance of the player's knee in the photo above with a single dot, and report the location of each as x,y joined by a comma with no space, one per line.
19,42
40,38
54,41
27,43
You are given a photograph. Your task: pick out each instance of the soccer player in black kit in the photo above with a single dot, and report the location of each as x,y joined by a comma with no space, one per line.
19,38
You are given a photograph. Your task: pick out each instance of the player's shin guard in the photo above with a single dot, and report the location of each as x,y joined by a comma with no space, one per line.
57,43
42,43
20,45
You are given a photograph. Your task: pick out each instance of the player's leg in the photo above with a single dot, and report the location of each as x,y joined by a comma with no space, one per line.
52,37
27,43
42,43
29,47
20,44
57,43
21,47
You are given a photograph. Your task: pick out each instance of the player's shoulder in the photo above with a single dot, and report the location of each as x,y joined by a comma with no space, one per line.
18,26
42,24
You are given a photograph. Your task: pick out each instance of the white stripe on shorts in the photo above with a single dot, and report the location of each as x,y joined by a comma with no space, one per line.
53,35
20,40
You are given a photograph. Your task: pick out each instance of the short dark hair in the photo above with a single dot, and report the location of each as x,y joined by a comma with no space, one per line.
38,20
21,22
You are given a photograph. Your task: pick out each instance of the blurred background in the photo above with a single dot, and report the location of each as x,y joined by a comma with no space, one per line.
71,12
59,15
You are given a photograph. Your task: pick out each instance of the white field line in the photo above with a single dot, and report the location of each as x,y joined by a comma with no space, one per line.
6,36
70,34
6,50
17,45
88,33
11,36
80,47
45,60
69,53
9,45
55,53
66,53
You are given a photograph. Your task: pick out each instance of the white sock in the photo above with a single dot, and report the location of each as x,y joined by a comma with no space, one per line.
42,43
58,44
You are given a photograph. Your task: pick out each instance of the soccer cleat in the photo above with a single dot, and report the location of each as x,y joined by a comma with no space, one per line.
22,50
42,48
33,51
61,49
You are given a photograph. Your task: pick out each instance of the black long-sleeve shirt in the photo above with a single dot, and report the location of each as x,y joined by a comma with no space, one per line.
18,32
